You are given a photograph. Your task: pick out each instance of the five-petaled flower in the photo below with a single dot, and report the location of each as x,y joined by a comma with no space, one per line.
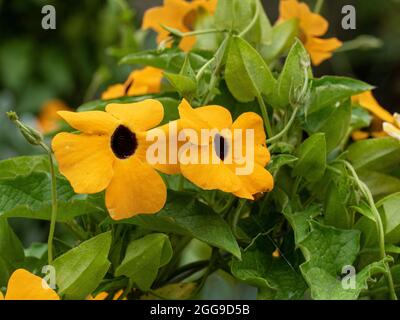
223,175
24,285
110,154
177,14
311,27
139,82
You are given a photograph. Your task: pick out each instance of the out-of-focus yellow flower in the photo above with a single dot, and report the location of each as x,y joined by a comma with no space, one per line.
139,82
380,115
24,285
393,129
104,296
223,175
312,26
177,14
110,154
48,118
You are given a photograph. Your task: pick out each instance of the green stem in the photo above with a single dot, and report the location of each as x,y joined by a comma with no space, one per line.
54,205
286,129
381,232
181,183
204,68
236,217
253,21
200,32
219,55
127,290
264,113
318,6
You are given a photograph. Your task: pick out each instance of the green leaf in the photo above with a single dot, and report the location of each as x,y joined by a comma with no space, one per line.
292,77
300,220
144,257
312,158
11,252
234,14
329,90
283,35
280,160
375,154
25,191
185,85
80,270
174,291
364,209
185,215
380,184
23,166
360,118
259,268
327,251
334,121
246,74
170,60
390,209
338,198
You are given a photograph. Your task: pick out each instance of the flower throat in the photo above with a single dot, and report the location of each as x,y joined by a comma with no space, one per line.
123,142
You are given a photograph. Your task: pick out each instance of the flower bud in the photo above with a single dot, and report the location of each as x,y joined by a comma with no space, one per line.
31,135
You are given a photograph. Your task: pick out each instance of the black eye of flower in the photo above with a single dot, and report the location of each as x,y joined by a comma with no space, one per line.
220,146
123,142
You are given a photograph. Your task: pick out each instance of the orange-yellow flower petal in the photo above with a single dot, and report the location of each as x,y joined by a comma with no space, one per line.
207,117
171,147
359,135
252,121
311,27
90,122
114,91
171,14
259,181
24,285
210,176
139,116
48,118
176,14
99,296
321,49
139,82
86,160
136,188
1,296
147,80
368,101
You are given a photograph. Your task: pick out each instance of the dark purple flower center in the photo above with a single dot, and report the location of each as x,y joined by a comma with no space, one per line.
220,146
123,142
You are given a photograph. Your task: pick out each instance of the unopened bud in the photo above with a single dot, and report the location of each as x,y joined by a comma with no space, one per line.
30,134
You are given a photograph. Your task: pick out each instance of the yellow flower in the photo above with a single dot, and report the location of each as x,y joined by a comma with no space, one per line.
177,14
368,102
24,285
139,82
393,129
48,118
110,154
104,295
312,26
223,175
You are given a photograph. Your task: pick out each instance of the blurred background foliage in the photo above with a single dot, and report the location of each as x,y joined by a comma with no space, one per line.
79,59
